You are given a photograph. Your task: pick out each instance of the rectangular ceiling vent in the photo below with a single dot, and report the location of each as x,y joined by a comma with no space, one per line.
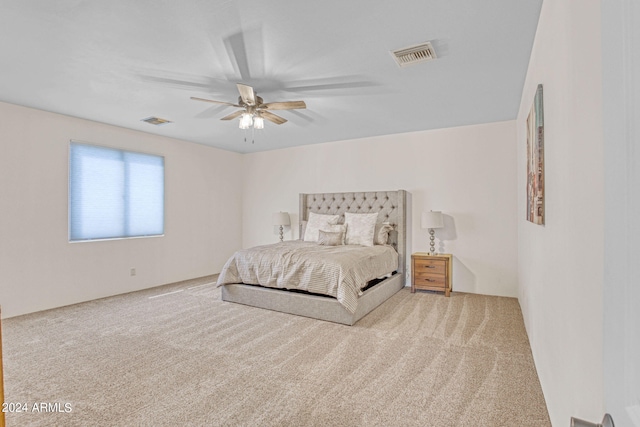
156,121
414,54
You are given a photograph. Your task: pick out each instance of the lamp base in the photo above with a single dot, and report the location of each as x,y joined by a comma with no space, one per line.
432,247
281,234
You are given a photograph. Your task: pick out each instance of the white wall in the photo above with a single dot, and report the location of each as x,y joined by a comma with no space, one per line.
560,264
40,269
621,293
469,173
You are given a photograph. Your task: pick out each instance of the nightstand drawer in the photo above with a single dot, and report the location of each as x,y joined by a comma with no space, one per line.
430,281
431,266
428,275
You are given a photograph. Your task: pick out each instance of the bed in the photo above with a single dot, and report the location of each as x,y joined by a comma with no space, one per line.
341,305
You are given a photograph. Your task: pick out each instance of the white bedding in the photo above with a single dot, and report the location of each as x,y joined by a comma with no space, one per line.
338,271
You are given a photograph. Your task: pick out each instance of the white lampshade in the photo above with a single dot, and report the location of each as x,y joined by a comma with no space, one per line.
432,219
281,218
258,122
246,120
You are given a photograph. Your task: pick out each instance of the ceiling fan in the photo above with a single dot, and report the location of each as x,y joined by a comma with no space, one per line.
254,110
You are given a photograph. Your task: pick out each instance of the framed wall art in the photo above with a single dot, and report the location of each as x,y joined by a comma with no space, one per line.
535,160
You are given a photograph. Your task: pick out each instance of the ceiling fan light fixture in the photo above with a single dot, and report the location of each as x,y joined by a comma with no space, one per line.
246,121
258,122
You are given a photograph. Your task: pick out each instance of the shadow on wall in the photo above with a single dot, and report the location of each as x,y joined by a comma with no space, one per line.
448,232
463,279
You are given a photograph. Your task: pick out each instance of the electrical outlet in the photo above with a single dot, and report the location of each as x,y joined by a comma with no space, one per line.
133,271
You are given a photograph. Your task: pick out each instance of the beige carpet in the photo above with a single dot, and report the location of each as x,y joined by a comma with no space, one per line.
188,358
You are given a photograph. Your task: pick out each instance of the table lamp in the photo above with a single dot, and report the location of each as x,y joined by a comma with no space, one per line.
281,219
432,220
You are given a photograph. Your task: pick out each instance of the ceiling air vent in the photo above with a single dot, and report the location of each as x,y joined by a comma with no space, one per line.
414,54
156,121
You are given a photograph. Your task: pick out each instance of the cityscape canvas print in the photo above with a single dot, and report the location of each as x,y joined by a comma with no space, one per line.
535,161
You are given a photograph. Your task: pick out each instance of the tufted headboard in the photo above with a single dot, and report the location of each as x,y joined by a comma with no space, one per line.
390,205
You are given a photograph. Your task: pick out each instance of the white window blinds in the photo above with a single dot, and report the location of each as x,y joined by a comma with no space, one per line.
114,193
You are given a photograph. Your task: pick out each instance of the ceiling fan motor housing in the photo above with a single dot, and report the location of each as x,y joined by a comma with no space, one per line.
259,102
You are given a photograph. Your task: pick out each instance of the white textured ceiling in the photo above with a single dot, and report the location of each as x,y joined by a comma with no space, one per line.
120,61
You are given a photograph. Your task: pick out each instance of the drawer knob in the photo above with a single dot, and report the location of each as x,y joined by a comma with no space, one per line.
431,266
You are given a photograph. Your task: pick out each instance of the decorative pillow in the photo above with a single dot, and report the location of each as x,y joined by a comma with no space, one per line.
360,228
316,223
381,236
328,238
337,228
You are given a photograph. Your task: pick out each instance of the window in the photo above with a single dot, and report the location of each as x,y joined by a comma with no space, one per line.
114,193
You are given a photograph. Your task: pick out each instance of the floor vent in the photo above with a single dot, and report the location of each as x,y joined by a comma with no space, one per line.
414,54
156,121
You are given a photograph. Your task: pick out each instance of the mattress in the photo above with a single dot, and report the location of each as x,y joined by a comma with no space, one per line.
337,271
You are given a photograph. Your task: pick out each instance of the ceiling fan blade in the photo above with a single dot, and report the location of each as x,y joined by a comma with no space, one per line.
331,84
176,82
247,94
306,117
237,51
233,115
210,112
215,102
287,105
273,118
181,80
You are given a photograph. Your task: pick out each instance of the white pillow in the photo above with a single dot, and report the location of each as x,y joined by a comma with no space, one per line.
360,228
317,222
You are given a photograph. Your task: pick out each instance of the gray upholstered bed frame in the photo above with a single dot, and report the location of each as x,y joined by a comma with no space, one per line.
391,207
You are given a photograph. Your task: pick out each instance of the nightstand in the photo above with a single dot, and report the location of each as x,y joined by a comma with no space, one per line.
431,272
